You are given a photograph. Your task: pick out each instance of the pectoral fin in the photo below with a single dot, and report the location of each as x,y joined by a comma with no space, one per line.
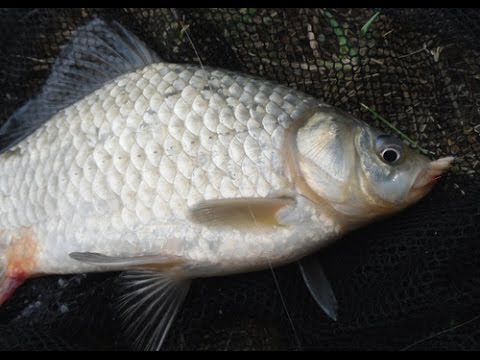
241,212
319,286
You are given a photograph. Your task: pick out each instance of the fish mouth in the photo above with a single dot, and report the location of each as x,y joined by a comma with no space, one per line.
433,172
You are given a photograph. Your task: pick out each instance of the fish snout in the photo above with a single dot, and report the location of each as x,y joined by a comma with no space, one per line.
433,172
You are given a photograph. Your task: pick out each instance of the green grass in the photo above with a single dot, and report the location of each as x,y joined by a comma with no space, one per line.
368,24
395,129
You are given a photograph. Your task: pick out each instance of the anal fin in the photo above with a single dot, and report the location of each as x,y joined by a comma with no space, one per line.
154,288
149,307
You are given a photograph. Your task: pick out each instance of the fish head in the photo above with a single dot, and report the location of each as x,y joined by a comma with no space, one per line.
361,172
393,173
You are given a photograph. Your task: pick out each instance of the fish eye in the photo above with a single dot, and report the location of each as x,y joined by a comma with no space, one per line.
389,149
390,155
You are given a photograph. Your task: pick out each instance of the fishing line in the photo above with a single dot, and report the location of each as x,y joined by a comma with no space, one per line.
297,339
440,333
184,29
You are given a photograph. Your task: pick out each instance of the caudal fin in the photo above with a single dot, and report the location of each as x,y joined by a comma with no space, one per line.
8,284
18,259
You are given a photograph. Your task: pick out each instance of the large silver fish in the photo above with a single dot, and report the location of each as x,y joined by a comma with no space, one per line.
173,172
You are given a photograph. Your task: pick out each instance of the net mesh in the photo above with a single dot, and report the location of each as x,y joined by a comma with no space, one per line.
409,282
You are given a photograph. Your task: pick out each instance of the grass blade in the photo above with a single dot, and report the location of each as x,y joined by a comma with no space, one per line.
369,23
399,132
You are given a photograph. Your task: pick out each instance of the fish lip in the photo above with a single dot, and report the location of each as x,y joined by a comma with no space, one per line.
433,172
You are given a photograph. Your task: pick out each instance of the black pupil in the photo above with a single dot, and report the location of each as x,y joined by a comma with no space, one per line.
390,156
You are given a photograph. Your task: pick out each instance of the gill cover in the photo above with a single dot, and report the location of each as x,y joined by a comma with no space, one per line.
326,152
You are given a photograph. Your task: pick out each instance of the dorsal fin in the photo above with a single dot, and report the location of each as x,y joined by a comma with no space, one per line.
97,53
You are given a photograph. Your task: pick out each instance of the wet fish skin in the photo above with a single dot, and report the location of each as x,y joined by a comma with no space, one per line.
186,172
117,172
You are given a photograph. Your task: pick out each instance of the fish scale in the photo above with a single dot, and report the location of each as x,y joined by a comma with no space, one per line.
126,158
171,172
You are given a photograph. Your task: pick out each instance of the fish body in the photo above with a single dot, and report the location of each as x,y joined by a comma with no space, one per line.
182,171
118,172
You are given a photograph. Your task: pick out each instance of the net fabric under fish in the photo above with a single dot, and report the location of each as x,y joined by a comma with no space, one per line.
398,281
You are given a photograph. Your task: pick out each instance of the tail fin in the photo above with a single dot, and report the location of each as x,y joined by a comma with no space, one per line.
3,271
7,287
8,284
